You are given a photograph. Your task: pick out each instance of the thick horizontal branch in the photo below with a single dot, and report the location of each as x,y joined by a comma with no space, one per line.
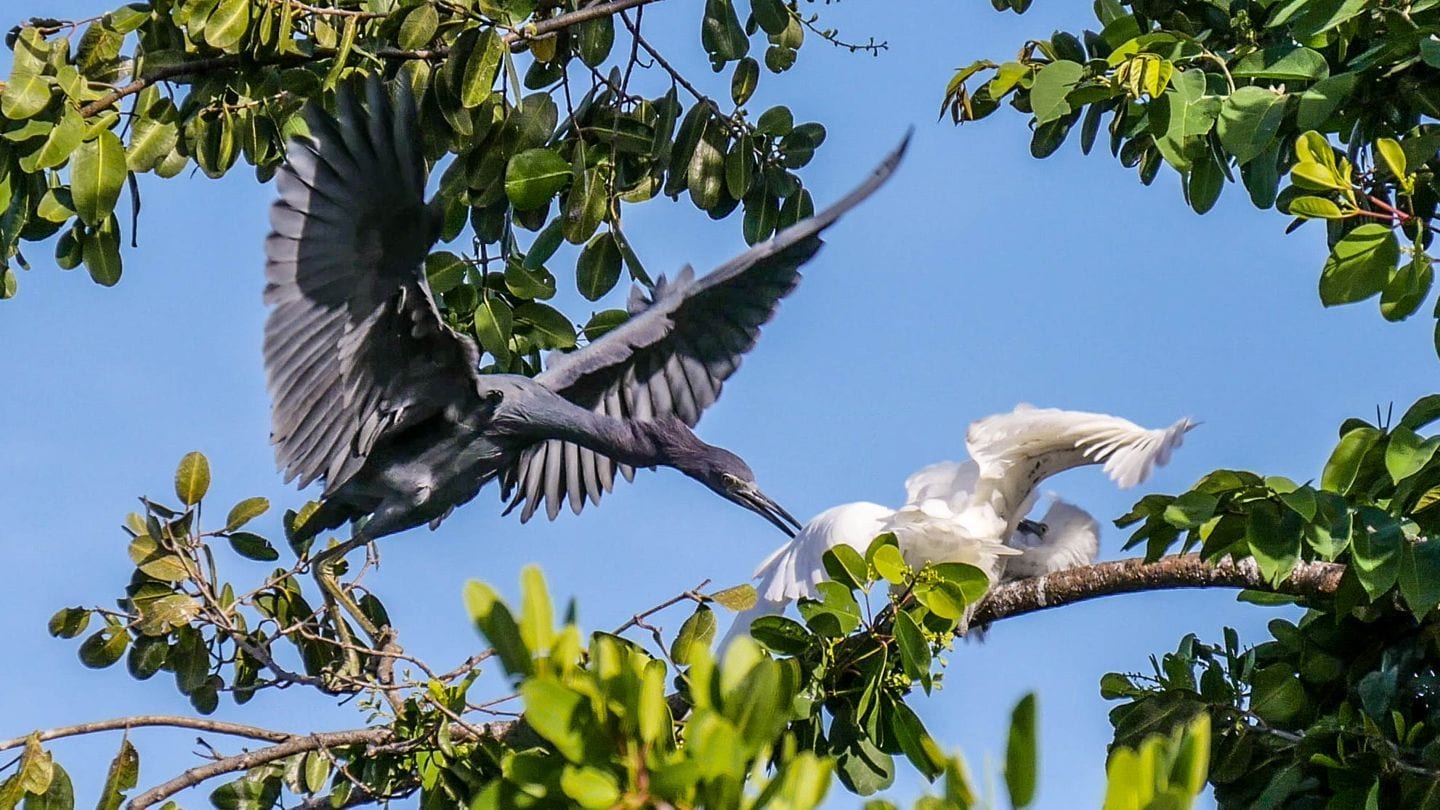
1315,579
152,720
200,67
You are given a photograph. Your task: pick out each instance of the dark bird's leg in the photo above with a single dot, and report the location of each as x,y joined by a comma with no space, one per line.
322,567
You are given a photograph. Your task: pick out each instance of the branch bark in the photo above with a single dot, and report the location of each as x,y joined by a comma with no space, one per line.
200,67
1010,599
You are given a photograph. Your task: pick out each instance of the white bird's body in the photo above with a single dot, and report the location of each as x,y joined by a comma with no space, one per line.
972,511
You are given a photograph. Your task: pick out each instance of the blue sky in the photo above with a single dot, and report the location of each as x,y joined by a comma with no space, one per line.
978,278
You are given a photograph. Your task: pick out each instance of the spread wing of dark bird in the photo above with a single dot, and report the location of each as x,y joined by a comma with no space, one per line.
671,358
354,345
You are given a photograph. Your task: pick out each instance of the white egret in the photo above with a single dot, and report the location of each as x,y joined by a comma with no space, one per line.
974,511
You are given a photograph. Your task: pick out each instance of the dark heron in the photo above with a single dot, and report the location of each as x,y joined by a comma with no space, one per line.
377,397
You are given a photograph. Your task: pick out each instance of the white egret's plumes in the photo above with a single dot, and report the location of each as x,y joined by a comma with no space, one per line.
1071,539
971,511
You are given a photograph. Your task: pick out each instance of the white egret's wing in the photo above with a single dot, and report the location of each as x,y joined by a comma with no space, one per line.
949,481
1017,450
682,342
354,347
794,569
1071,539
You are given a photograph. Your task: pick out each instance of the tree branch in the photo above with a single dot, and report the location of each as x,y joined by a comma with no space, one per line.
151,720
296,744
1314,579
200,67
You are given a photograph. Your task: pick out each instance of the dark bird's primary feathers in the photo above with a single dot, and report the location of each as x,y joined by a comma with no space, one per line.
377,397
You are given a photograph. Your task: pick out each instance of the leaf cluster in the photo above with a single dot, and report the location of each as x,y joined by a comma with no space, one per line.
1338,98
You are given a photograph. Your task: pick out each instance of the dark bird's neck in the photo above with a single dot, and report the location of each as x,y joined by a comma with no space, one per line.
663,442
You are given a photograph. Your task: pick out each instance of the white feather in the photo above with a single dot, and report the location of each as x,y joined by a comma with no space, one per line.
1071,539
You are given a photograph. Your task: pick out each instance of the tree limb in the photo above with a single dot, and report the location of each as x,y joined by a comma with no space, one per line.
199,67
151,720
296,744
1313,579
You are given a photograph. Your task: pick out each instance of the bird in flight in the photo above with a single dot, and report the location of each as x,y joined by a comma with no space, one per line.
374,395
975,511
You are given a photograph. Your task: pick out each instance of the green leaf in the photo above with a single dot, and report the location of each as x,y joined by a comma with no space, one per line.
59,144
721,34
968,579
69,622
1182,114
549,327
1310,207
776,121
494,324
771,15
917,744
914,649
890,564
1407,453
1394,157
100,250
1284,62
418,27
1277,695
1321,99
1424,411
844,565
1344,464
1408,288
253,547
246,511
123,775
156,562
478,80
1204,182
1249,120
1419,576
744,80
698,629
25,95
596,37
598,269
587,786
1274,541
1021,758
537,615
147,656
533,176
96,174
192,478
104,647
1376,547
496,623
736,598
1190,509
782,635
59,794
227,24
1052,83
1359,265
554,711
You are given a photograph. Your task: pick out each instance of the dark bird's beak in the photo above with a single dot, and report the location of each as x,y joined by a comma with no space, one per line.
749,496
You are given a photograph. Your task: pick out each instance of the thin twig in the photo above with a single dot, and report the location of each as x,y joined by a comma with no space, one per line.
152,720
